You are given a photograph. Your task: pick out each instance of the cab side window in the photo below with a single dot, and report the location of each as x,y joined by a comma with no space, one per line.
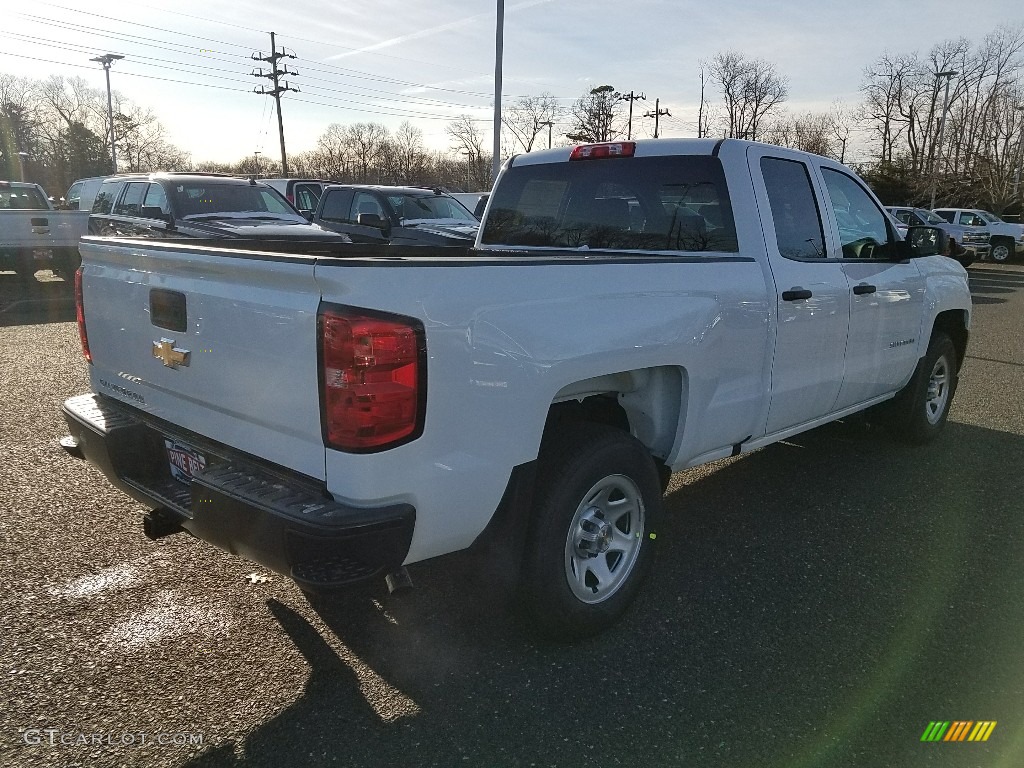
366,203
863,230
798,231
306,197
337,205
105,198
131,203
155,201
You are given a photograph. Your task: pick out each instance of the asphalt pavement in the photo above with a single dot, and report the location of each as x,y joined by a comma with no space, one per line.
815,603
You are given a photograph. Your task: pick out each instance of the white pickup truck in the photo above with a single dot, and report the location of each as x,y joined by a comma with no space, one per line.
629,309
34,236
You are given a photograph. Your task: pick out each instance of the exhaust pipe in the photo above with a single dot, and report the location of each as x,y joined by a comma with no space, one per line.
160,523
398,581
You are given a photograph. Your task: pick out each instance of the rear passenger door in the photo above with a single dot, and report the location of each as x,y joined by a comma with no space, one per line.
812,291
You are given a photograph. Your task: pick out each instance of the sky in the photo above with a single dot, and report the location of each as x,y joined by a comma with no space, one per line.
429,62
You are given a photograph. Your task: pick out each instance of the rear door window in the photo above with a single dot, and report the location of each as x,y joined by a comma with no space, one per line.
798,230
633,204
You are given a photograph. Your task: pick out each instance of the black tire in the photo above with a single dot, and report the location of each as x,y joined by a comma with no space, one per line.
920,410
597,489
1002,249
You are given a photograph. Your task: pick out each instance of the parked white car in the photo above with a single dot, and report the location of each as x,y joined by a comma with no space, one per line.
1007,239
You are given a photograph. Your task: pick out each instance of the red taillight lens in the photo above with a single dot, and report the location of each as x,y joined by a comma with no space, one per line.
372,379
597,151
80,315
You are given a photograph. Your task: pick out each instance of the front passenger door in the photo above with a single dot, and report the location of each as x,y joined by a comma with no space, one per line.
886,293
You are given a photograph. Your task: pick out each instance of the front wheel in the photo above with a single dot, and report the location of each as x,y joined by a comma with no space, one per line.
593,530
923,406
1001,250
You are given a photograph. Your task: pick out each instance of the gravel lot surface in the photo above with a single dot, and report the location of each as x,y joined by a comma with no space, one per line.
816,603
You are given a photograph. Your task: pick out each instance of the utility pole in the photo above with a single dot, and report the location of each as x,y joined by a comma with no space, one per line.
548,123
631,98
656,114
106,60
275,75
256,155
949,75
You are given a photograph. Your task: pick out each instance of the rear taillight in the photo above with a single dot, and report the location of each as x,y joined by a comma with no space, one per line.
372,379
597,151
80,315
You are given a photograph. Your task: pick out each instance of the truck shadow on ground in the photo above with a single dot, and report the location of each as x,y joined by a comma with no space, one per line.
805,608
34,302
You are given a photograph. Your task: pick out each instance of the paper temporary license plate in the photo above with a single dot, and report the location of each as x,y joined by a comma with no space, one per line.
185,461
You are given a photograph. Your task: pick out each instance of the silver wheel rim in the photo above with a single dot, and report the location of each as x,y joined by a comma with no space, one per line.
604,539
938,391
1000,253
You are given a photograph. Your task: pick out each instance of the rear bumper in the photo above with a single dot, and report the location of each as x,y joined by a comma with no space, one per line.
285,521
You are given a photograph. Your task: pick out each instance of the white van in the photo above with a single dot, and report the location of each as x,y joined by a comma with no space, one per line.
80,195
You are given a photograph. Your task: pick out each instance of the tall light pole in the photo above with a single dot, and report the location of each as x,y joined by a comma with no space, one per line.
21,163
106,60
499,36
548,123
949,75
1020,151
256,154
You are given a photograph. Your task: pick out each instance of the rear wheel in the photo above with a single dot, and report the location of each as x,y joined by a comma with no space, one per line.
592,533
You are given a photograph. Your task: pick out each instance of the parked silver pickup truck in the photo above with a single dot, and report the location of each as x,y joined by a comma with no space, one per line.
34,236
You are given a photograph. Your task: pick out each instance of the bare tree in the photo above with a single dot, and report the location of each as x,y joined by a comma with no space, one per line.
527,118
597,116
751,89
903,108
364,142
468,141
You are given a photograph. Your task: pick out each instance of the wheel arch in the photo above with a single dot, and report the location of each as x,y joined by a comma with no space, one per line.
649,403
953,322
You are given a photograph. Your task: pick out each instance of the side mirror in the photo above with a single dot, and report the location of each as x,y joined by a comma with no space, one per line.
309,215
375,221
923,241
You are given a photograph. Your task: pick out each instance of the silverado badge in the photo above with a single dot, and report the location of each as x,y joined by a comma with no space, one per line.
170,355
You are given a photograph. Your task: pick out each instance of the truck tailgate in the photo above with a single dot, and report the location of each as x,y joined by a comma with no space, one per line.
218,342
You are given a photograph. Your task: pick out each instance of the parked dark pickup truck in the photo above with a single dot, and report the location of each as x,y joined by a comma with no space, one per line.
398,215
177,205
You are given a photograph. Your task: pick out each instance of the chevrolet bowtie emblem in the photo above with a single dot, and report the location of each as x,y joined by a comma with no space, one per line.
170,355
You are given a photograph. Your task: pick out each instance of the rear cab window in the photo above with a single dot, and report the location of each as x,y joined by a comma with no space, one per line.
661,204
22,198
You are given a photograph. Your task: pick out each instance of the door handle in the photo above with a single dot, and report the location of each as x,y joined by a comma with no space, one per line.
796,293
863,288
